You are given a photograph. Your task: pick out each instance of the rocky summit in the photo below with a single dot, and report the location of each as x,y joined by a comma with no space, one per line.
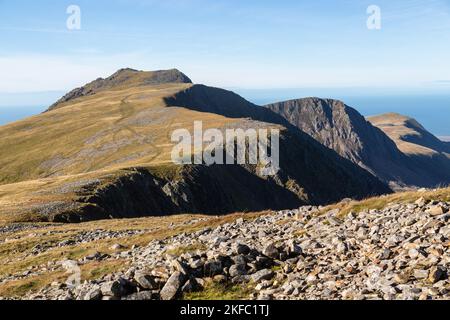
398,252
105,151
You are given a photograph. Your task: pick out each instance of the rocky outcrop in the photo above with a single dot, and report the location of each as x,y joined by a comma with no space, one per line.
341,128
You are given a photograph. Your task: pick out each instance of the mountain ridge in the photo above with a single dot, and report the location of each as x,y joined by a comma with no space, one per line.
412,131
89,157
343,129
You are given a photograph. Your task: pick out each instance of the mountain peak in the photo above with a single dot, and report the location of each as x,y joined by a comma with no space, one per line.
124,78
152,77
372,144
317,100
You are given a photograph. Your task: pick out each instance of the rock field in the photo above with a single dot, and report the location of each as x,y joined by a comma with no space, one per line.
400,252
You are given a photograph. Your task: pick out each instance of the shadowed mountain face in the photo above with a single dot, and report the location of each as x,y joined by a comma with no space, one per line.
105,153
341,128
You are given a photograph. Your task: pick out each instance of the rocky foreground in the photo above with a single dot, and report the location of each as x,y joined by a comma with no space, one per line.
400,252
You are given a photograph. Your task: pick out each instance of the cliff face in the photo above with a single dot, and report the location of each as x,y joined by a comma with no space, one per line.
341,128
322,172
197,190
306,177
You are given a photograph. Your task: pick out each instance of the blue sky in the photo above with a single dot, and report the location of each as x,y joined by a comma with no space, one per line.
228,43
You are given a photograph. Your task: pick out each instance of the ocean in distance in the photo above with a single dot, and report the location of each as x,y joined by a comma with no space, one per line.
432,111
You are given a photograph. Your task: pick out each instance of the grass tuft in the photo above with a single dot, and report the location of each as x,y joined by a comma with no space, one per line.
378,203
186,249
217,291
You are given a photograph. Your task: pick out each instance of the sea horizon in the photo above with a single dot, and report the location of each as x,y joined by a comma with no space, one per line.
431,110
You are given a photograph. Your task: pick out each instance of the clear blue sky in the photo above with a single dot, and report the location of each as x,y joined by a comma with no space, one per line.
227,43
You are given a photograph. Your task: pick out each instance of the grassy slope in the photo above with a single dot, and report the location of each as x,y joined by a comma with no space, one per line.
91,138
112,129
399,128
381,202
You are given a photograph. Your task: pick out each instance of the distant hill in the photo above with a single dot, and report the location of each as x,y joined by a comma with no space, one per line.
341,128
409,135
429,153
103,151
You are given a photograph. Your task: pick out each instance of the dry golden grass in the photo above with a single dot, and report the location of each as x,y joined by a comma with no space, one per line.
96,270
396,127
383,201
178,251
45,159
16,257
90,271
110,130
84,136
19,288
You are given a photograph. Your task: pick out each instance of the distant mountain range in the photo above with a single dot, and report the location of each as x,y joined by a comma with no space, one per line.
103,151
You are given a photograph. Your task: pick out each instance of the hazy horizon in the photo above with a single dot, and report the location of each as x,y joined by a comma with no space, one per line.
343,50
228,43
431,110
